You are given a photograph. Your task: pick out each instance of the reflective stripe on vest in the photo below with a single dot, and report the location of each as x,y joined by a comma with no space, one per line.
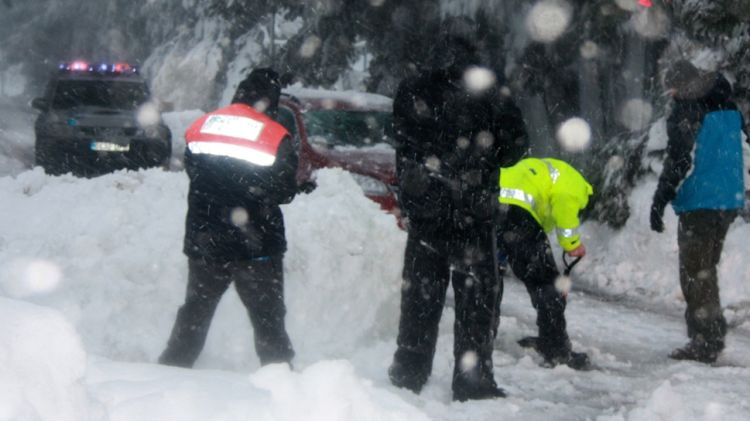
567,233
520,195
236,131
554,174
246,154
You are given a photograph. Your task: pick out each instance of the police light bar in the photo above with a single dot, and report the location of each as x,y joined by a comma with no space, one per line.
645,3
80,66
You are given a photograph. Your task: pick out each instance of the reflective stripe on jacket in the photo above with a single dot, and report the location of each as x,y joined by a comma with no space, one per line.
236,131
552,191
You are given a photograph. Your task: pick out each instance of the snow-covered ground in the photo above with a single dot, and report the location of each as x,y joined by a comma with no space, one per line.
92,274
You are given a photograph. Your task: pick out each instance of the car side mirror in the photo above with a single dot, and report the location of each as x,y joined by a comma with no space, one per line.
40,104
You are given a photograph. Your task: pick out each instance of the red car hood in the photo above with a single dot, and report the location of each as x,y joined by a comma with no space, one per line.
376,162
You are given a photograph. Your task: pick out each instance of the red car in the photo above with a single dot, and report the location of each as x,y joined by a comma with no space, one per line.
349,130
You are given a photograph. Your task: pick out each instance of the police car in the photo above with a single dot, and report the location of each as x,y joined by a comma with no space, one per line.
96,118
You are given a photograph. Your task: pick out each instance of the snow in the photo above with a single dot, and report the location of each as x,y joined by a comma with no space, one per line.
651,22
310,46
36,384
193,60
92,274
574,135
548,19
636,114
629,5
356,97
479,79
148,115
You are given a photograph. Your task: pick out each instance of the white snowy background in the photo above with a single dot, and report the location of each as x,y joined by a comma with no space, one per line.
92,274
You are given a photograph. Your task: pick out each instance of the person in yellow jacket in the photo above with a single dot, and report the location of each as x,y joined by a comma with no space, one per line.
544,195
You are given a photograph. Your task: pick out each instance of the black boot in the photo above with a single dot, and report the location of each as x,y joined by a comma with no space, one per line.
557,355
406,377
476,383
574,360
463,392
410,370
698,350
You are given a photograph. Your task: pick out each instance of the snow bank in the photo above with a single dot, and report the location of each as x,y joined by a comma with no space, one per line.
107,252
328,390
42,364
344,268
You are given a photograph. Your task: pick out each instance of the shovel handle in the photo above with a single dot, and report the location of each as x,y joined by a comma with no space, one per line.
569,265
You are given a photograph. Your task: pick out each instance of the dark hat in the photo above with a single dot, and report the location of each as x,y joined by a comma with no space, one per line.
688,81
261,89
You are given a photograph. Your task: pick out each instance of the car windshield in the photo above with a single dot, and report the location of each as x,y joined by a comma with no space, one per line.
124,95
350,128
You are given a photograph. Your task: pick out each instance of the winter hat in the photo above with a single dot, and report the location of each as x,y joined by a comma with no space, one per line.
455,46
261,90
688,81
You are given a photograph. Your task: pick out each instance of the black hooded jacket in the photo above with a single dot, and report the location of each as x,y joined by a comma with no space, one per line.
451,143
233,208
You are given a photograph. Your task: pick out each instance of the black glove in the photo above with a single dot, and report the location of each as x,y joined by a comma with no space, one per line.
657,213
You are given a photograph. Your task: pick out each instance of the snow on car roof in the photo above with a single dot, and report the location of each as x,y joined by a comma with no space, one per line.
355,99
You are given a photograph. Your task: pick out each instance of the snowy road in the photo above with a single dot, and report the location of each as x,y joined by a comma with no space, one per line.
634,380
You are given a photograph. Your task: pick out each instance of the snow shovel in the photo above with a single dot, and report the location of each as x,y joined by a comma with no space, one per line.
569,266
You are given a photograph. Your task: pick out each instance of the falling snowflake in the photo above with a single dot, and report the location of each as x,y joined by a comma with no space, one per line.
548,19
479,79
636,114
574,135
148,115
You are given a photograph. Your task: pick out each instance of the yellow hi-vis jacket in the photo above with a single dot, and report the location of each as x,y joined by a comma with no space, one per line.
552,191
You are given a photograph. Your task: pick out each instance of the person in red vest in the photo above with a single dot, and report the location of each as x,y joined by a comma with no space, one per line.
241,165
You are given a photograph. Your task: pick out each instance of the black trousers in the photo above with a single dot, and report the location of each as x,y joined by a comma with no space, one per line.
700,237
431,261
530,257
260,285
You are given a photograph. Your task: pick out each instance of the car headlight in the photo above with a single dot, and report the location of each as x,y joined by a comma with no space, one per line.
371,186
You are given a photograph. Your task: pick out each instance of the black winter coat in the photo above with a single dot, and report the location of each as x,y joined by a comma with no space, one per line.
450,144
233,207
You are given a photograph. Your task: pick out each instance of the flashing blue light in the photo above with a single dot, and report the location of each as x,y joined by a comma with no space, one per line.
82,66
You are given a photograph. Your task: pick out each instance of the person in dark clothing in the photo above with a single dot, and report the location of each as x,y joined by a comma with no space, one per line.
451,139
242,166
703,178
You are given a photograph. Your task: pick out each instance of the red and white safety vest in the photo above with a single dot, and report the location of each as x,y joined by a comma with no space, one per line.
237,131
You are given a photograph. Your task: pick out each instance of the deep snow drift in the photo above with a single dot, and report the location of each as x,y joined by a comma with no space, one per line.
93,275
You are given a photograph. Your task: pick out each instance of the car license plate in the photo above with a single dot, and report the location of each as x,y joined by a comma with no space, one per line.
109,147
